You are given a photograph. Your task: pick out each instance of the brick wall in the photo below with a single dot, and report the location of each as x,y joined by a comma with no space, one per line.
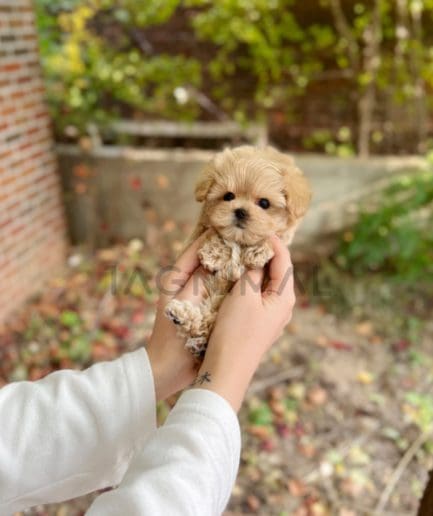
32,242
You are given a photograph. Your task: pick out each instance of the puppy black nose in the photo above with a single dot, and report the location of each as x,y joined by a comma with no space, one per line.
241,214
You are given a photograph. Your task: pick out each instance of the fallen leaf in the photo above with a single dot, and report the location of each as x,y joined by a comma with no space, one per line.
276,392
138,317
346,512
296,390
81,170
318,509
317,396
262,432
48,310
365,328
277,407
169,226
358,456
296,487
299,429
253,473
135,183
283,430
365,377
375,339
253,503
162,181
275,356
102,352
401,345
107,255
308,450
268,445
36,373
340,345
322,341
350,487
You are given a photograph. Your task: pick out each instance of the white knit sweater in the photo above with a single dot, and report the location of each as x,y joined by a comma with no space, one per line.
74,432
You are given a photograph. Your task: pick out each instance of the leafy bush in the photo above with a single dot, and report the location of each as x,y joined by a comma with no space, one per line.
255,59
396,235
90,80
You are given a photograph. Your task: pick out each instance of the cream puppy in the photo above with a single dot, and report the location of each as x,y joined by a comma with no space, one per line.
248,194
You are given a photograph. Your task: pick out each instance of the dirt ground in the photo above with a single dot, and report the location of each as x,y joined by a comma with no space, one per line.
338,420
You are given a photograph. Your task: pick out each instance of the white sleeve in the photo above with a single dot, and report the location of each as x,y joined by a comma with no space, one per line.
188,466
73,432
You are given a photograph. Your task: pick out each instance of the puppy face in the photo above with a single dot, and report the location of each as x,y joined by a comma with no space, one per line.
250,194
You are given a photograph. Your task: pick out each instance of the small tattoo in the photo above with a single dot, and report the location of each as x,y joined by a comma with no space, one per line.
201,379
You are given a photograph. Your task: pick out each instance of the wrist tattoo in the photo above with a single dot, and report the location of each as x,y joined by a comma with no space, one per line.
201,379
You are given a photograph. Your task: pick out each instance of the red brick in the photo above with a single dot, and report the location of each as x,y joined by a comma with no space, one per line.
11,67
32,228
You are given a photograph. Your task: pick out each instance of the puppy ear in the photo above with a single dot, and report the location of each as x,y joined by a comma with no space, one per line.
204,182
220,161
297,190
296,186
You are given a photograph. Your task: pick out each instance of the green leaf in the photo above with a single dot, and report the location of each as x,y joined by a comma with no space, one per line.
70,319
261,415
80,349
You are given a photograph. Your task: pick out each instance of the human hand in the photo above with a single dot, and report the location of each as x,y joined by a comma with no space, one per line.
173,366
248,323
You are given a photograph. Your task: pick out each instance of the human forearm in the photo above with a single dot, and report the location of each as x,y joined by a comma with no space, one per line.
188,467
72,432
172,365
229,382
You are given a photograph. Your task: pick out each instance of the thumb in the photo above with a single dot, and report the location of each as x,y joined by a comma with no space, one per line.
249,284
280,272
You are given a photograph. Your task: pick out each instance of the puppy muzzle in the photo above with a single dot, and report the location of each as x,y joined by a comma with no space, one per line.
240,216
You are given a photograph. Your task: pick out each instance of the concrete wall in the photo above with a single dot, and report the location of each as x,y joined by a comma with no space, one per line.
120,193
32,226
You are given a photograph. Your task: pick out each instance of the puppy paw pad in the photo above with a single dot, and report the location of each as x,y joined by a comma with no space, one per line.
197,346
172,317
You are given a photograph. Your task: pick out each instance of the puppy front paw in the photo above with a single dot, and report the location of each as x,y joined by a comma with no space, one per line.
184,315
256,257
197,346
213,254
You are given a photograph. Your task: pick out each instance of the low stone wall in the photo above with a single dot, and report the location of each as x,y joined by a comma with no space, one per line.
120,193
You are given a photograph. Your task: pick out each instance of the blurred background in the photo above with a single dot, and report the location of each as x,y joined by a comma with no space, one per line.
108,111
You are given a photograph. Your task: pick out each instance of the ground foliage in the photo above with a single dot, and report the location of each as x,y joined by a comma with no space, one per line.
333,410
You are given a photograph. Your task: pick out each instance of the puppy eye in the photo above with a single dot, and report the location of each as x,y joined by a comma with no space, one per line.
264,203
229,196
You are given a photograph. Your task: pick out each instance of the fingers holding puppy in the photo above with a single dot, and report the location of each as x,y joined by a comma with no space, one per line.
281,274
174,278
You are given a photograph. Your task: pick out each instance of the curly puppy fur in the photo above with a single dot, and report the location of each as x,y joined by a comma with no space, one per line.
248,194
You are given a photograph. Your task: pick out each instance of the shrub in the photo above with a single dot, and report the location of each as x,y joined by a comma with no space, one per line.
395,236
362,71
